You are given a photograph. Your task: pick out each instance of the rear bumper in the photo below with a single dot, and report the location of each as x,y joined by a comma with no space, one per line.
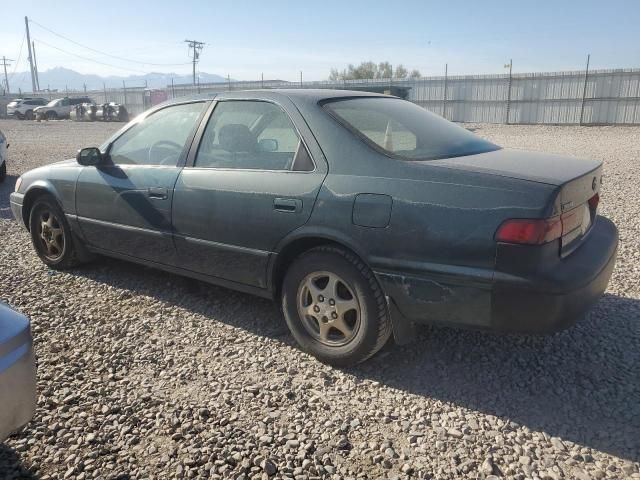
538,301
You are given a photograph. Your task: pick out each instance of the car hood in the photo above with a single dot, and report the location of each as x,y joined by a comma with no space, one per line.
63,163
524,165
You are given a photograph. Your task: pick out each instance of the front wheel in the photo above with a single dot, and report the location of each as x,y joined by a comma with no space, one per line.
335,307
28,115
51,235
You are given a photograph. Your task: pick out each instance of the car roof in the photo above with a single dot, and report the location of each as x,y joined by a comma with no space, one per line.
306,94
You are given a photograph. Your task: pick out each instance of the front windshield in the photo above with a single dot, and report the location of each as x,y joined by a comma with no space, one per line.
52,103
402,129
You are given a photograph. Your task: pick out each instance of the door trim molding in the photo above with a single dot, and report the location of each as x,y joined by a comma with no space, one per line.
121,226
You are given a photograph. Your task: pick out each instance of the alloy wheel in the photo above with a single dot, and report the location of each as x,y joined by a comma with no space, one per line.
51,235
328,308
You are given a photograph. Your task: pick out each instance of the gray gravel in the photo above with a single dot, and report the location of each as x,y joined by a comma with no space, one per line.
144,374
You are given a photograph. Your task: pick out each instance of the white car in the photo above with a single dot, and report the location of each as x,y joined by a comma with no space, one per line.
3,156
17,371
59,108
22,108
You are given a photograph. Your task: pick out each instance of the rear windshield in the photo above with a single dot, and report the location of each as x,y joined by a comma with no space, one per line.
404,130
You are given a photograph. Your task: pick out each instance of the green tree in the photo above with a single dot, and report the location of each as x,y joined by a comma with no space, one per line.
371,70
400,72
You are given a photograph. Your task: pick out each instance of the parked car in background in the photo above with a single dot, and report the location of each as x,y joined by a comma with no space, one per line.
23,108
362,214
4,150
107,112
17,371
59,108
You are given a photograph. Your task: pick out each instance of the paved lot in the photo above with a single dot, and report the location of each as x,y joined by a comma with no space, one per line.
144,374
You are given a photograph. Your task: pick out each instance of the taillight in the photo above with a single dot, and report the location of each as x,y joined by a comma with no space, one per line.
530,231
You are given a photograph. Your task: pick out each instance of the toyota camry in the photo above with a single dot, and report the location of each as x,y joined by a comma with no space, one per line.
362,214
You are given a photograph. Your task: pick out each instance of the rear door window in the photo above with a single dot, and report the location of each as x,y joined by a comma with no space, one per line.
253,135
404,130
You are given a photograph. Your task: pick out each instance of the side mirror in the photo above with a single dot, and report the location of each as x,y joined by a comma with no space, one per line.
89,157
268,145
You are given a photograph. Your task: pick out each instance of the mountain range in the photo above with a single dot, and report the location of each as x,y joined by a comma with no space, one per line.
60,78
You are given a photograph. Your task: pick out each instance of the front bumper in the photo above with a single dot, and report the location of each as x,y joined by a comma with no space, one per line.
17,373
538,300
15,201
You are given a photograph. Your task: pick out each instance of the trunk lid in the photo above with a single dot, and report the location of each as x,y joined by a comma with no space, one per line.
524,165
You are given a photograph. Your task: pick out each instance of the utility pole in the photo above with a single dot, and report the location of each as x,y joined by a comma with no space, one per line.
33,75
195,48
5,65
444,94
584,89
509,89
35,65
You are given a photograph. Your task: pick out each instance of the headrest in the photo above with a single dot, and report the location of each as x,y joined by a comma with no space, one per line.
236,137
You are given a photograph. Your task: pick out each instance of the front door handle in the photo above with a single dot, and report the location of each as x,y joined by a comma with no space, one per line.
290,205
159,193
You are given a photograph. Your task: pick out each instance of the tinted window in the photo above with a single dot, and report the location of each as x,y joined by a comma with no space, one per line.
405,130
159,139
250,134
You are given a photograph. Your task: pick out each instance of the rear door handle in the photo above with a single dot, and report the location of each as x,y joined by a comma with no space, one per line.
158,192
290,205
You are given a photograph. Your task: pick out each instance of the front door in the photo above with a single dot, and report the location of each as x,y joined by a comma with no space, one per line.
124,206
251,182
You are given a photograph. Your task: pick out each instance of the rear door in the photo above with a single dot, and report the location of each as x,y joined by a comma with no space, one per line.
251,178
124,206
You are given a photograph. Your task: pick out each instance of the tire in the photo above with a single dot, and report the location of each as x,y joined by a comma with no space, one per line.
3,171
340,331
28,115
52,115
51,235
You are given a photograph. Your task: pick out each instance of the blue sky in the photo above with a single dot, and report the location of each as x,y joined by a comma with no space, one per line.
245,38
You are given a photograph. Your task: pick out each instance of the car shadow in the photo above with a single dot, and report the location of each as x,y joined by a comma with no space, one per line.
6,188
11,465
581,384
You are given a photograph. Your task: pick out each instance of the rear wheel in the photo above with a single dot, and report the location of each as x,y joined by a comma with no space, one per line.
335,307
52,115
51,235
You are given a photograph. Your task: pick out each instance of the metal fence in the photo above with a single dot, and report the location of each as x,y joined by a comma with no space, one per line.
597,97
610,97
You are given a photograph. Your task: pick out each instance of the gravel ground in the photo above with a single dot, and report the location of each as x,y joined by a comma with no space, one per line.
144,374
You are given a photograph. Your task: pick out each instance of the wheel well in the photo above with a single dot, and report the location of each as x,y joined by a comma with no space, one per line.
29,199
292,251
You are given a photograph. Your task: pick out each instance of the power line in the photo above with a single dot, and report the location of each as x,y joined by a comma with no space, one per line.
15,67
90,59
104,53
